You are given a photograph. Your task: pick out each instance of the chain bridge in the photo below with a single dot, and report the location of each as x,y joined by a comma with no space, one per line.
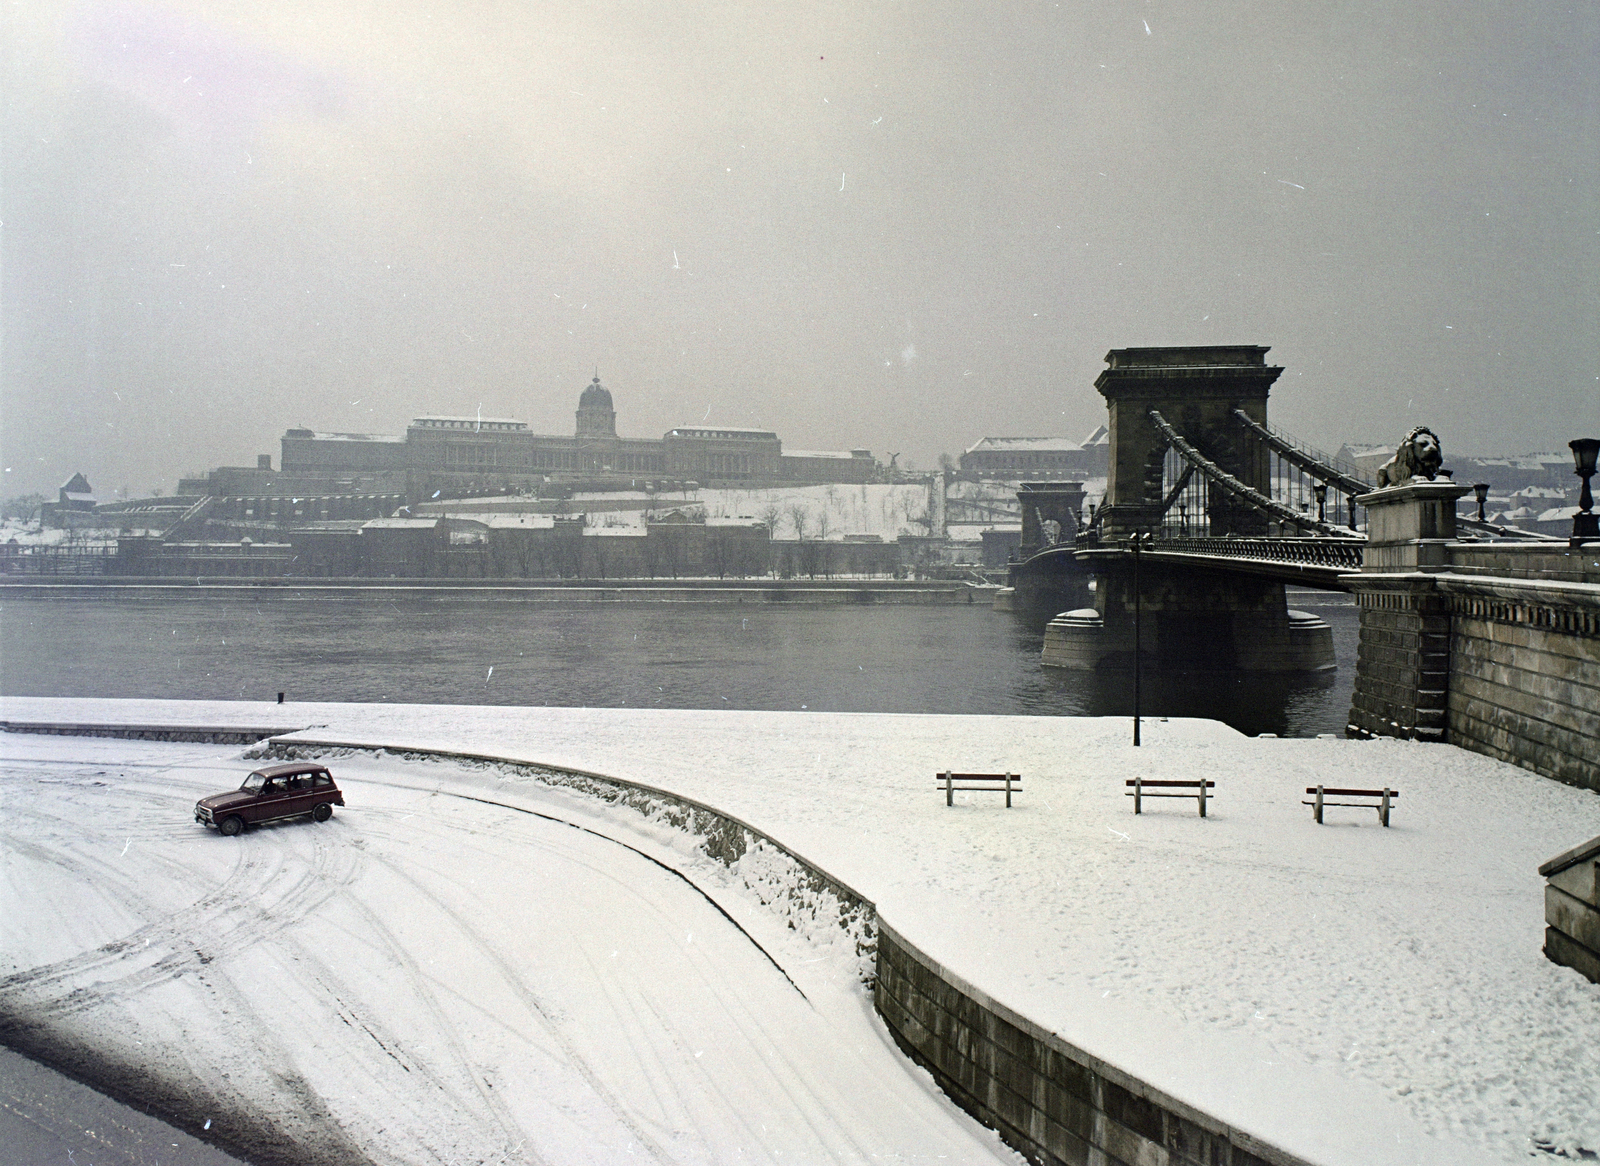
1210,513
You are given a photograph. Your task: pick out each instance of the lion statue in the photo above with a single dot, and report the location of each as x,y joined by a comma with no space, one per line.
1419,456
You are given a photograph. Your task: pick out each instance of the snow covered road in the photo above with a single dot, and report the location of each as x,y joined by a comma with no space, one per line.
428,978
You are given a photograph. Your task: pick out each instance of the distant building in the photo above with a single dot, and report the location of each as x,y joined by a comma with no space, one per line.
1038,459
1526,476
75,503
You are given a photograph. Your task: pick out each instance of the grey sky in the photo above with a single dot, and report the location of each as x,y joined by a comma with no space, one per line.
900,226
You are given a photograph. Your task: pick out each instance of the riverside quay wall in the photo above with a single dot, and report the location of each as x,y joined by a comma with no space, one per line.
1494,647
791,592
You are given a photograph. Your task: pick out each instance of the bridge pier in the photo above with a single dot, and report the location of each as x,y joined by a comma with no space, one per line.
1046,578
1188,620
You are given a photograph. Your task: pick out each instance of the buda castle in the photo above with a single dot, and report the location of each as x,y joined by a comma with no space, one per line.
460,456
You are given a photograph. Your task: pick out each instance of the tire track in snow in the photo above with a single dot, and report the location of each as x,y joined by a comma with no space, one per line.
806,1104
513,981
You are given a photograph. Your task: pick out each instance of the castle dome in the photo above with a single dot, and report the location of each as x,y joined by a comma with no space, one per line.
596,417
596,396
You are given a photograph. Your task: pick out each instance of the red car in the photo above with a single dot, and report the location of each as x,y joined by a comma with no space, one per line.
270,793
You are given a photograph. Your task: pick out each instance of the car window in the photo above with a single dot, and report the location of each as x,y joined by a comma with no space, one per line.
254,782
324,779
273,785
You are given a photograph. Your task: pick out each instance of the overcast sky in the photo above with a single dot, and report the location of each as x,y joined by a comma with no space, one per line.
893,225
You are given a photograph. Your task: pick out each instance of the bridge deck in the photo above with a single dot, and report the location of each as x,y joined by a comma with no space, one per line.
1322,563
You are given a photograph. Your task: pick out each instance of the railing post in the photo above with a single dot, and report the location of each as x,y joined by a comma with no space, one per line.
1138,789
1202,797
1318,813
1384,812
1008,791
949,796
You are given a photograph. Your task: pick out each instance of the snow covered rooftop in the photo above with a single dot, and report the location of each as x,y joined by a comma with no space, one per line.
400,524
1039,444
474,423
373,437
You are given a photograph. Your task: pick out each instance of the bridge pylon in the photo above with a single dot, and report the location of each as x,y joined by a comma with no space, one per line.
1197,389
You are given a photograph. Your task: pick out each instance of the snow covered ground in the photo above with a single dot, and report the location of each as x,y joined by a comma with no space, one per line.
431,979
1316,985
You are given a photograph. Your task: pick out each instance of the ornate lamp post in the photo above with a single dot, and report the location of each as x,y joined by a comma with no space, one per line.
1585,524
1138,605
1481,491
1321,491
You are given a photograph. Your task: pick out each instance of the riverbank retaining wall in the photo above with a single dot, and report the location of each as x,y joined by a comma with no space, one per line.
1053,1102
1491,646
758,591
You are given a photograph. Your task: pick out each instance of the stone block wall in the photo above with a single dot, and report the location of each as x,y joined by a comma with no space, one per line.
1402,663
1053,1102
1524,683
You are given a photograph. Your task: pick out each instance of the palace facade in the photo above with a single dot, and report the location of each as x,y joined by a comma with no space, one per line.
454,456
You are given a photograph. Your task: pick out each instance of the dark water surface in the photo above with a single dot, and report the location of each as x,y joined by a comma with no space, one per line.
841,658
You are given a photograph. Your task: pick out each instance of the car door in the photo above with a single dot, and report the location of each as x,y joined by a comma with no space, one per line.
270,802
302,794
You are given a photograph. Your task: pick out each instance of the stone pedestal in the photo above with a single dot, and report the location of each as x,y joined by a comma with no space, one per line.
1403,655
1572,909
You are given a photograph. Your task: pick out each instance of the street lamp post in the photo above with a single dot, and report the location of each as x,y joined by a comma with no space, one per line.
1585,524
1321,491
1138,604
1480,491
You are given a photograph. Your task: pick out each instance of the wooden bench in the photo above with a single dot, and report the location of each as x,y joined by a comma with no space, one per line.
1379,799
991,782
1139,789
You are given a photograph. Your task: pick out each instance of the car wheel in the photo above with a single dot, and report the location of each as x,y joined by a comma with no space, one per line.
230,826
322,813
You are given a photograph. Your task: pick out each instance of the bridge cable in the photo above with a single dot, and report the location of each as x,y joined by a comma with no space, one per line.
1234,486
1178,488
1319,470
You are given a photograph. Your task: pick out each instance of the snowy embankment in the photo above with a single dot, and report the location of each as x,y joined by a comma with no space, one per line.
1282,976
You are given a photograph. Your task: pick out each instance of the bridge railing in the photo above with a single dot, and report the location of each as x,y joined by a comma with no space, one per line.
1316,552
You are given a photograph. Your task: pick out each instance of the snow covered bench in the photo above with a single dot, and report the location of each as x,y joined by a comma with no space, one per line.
992,782
1141,787
1376,799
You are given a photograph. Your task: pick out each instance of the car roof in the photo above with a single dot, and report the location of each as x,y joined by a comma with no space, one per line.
290,767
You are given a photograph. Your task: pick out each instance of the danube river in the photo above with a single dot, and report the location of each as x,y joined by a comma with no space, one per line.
891,658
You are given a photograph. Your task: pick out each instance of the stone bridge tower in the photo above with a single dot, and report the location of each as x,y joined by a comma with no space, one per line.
1196,390
1191,617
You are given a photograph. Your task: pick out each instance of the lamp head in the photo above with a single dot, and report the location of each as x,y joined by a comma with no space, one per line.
1480,490
1584,450
1320,490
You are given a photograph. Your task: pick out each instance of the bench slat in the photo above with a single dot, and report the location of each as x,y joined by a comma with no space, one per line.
1147,784
1350,793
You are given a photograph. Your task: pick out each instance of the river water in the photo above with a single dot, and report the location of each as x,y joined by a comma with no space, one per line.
887,658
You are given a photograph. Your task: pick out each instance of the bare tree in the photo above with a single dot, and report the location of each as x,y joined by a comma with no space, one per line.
800,516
